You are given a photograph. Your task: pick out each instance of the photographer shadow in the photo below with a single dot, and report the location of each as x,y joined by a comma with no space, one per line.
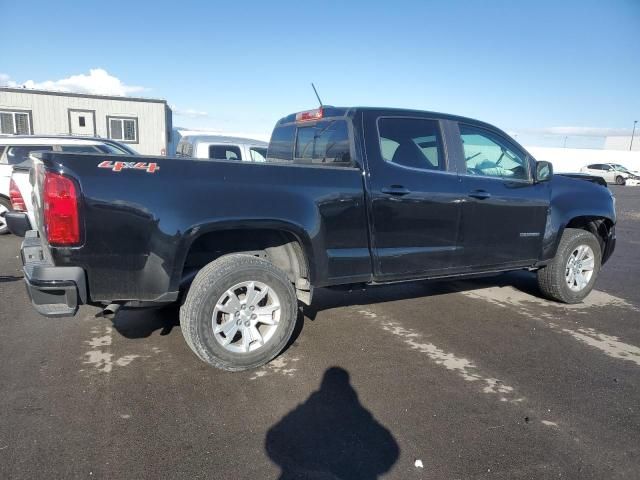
331,436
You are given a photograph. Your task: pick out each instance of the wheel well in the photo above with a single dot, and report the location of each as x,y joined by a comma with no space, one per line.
281,248
598,226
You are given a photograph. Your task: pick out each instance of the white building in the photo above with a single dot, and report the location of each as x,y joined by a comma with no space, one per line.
623,143
143,123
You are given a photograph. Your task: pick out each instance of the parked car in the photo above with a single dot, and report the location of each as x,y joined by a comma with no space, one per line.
15,192
347,196
611,172
214,147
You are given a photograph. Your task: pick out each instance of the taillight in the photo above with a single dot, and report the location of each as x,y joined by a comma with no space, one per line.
60,203
17,202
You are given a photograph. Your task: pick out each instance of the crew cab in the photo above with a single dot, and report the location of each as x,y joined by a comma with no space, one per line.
347,196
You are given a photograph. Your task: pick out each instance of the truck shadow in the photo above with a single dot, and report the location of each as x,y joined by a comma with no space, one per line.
331,436
134,323
9,278
326,299
143,322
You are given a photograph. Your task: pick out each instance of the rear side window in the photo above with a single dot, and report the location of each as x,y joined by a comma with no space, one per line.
111,149
411,142
258,154
326,142
19,154
224,152
281,144
79,148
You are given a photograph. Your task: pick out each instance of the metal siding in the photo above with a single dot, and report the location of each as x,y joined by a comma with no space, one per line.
50,116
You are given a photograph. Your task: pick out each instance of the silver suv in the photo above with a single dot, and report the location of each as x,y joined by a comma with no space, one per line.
15,164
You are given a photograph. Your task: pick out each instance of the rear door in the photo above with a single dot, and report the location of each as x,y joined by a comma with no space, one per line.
609,173
414,196
503,211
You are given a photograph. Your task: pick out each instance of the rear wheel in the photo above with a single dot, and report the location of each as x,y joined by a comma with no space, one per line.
5,206
570,276
620,180
239,313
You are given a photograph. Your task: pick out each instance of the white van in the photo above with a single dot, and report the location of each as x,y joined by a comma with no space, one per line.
216,147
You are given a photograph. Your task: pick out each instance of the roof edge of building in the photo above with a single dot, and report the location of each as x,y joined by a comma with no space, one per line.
82,95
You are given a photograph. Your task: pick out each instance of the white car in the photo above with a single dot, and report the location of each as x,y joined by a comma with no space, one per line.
612,173
217,147
15,163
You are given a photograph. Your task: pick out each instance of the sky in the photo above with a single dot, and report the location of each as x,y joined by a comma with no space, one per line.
551,73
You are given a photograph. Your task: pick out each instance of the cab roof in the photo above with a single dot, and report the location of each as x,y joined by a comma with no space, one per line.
331,111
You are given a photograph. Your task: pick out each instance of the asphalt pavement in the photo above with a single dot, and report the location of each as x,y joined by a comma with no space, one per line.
426,380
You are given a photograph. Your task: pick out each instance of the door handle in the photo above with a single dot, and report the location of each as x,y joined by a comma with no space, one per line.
480,194
395,190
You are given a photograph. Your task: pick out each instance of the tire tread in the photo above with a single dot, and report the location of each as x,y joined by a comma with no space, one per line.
552,276
209,275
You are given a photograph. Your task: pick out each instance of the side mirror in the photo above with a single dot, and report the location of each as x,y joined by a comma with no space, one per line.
544,171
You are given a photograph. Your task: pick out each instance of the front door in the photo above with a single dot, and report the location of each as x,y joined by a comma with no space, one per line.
82,122
414,197
504,211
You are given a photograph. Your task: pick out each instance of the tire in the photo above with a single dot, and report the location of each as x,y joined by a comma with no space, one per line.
620,180
554,279
209,302
5,206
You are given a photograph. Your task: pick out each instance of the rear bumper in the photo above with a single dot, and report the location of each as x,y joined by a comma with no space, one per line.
18,223
54,291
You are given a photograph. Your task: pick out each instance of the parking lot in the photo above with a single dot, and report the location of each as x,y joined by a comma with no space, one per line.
470,379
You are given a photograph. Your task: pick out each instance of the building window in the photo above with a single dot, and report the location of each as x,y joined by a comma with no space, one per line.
82,122
123,129
15,122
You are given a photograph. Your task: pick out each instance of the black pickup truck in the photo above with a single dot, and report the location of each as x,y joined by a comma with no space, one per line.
347,196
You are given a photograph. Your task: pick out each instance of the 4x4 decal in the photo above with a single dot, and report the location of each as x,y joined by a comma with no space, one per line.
119,166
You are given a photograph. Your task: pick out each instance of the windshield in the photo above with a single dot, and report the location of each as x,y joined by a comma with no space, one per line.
620,168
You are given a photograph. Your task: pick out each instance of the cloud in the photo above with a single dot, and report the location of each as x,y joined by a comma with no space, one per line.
97,82
580,131
188,112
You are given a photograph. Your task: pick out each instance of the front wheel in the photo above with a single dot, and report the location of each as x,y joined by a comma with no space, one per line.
239,313
620,180
570,276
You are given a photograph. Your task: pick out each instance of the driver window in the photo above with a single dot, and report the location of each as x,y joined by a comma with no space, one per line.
491,156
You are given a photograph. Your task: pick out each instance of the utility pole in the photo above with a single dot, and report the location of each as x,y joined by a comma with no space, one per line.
632,134
565,142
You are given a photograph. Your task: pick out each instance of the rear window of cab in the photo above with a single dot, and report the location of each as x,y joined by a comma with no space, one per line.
322,143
